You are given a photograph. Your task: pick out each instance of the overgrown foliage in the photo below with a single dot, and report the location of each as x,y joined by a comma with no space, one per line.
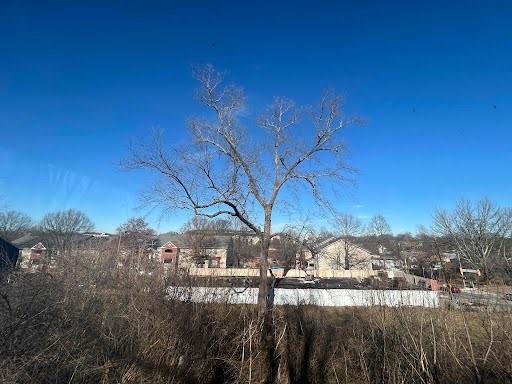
96,324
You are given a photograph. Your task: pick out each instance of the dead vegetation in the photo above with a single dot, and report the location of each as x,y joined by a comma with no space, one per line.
117,327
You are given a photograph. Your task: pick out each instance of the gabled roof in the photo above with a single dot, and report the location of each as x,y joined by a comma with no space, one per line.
28,240
39,247
324,243
186,241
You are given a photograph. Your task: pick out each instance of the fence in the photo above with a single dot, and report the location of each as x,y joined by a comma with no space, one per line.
358,274
320,297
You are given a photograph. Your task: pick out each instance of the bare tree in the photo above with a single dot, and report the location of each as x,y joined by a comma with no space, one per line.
13,224
245,246
136,230
136,237
349,227
310,238
199,232
288,245
476,231
62,227
379,228
202,223
232,168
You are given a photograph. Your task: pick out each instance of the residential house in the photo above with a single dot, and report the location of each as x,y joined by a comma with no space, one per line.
335,253
197,249
34,252
387,262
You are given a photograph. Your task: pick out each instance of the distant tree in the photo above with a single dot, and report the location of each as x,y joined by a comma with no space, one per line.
245,245
201,223
288,245
477,232
220,225
13,224
199,232
136,238
136,231
309,237
379,228
348,227
62,227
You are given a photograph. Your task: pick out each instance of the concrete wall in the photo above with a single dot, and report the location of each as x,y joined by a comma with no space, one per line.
320,297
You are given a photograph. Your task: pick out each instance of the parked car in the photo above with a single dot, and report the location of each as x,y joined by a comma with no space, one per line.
455,289
508,296
450,288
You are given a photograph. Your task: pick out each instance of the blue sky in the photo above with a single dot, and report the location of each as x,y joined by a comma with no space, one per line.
433,81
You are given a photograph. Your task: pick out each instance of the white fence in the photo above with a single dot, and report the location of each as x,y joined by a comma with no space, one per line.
320,297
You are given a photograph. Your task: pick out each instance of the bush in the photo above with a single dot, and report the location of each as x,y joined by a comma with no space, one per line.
81,327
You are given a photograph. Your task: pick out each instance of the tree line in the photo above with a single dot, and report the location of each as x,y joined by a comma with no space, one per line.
478,233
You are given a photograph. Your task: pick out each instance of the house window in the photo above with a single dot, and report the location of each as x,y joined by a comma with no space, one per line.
215,262
168,251
36,254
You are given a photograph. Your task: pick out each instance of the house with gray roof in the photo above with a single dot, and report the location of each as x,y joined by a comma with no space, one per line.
34,251
9,254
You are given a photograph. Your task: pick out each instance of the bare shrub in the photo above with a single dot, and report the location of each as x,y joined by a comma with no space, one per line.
101,325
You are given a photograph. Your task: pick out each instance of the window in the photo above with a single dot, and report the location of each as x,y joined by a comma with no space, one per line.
215,262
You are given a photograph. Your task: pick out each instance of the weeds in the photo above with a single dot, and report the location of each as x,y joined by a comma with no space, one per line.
87,327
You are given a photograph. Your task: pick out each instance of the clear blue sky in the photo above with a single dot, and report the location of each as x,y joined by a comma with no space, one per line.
432,79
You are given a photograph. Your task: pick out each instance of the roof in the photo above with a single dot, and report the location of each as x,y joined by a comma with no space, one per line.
9,259
324,243
186,240
28,241
386,257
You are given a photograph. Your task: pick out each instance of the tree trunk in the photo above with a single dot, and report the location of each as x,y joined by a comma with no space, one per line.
347,256
485,272
263,288
264,303
265,296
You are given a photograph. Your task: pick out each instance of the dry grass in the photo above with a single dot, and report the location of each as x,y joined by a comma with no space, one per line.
97,326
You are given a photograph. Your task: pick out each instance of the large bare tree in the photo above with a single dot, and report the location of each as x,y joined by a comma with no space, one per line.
244,168
477,232
62,227
13,224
